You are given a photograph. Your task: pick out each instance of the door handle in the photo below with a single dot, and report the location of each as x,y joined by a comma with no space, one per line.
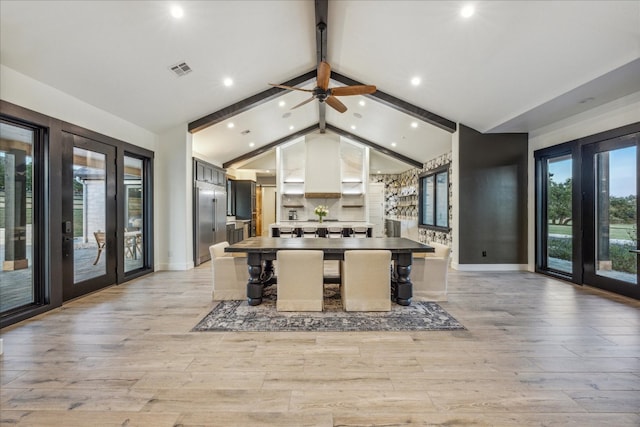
635,251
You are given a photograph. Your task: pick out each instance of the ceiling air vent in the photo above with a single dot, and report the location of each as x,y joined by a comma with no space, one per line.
181,69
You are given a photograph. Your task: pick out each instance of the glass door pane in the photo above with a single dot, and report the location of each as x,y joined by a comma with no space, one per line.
16,217
89,230
616,216
134,214
89,216
559,214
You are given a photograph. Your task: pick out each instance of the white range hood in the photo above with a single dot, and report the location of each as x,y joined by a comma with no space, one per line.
322,166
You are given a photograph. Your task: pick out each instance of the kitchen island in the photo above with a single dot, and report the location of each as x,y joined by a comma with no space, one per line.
346,226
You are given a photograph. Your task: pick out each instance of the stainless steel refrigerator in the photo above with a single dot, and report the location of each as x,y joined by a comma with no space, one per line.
210,219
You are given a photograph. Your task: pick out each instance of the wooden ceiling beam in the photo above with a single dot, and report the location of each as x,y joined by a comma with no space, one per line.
402,106
377,147
322,9
270,146
248,103
314,128
322,14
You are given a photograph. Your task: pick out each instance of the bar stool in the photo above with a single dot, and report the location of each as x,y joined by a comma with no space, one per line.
309,231
287,232
334,232
360,232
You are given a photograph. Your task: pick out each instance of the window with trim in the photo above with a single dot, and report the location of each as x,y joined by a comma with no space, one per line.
433,209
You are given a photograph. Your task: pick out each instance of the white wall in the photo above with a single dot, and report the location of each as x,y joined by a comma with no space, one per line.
615,114
173,191
34,95
455,199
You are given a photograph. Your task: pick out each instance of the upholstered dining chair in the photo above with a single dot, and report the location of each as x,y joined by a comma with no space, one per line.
300,280
429,272
366,280
229,273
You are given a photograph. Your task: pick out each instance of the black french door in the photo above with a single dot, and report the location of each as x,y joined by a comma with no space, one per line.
587,210
610,207
89,254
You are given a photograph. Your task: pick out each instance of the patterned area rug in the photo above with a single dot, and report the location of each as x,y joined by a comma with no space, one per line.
239,316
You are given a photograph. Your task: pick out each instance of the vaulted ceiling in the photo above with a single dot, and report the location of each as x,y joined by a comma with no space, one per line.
511,67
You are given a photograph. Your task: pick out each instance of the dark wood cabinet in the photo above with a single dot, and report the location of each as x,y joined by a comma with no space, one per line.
245,202
234,234
206,172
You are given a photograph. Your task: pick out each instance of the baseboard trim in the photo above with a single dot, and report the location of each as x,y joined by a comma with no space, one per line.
174,266
490,267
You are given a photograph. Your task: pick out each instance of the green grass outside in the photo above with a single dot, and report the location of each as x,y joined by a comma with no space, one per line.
616,231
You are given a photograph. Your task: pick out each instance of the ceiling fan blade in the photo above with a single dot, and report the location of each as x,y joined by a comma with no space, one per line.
291,87
336,104
324,74
304,102
353,90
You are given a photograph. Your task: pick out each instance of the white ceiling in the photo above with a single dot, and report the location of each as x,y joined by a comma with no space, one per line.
514,66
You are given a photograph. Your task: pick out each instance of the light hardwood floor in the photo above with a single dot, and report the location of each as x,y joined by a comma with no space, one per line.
536,352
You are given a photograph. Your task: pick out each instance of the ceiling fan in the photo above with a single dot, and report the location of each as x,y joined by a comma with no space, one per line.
324,93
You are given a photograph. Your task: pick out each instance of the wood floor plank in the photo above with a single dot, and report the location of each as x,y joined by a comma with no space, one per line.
536,351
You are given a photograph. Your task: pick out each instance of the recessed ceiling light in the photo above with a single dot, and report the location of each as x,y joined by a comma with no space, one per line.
414,124
378,171
362,103
415,81
291,127
252,144
282,103
467,11
176,11
227,82
267,171
230,125
353,127
393,144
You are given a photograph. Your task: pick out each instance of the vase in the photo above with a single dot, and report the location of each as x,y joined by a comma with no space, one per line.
320,219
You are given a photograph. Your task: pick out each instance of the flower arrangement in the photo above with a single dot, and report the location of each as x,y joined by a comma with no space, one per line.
321,211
